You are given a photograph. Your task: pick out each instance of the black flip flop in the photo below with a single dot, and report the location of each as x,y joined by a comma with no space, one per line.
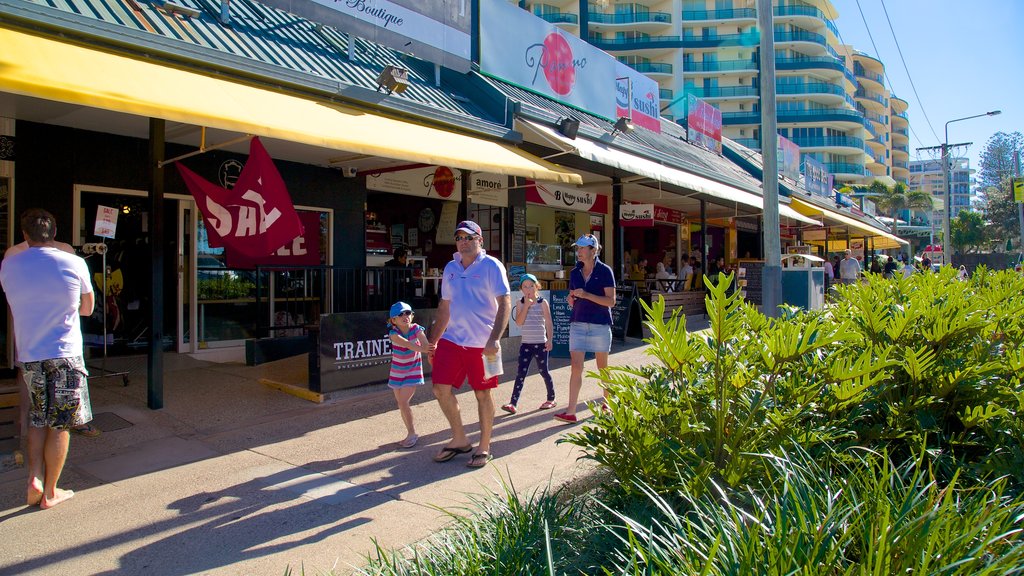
449,452
479,460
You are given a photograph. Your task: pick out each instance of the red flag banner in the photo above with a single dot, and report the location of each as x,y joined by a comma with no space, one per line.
303,250
256,217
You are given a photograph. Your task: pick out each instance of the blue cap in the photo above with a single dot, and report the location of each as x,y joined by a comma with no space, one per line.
587,240
529,277
398,307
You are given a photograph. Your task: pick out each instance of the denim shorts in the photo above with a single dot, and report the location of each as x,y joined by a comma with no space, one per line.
586,337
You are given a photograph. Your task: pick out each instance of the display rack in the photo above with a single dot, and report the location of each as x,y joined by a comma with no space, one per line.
101,249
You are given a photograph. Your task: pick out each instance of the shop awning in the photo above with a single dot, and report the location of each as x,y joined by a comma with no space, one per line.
602,154
881,239
53,70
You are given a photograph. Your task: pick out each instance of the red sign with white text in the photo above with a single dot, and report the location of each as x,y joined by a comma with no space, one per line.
303,250
566,198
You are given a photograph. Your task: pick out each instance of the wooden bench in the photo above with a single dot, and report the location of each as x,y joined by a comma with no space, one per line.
691,302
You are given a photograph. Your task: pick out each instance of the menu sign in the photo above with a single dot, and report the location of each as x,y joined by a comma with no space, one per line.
519,234
561,317
625,298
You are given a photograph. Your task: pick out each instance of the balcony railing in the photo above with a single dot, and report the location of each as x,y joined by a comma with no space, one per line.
862,93
904,149
751,39
810,88
665,93
726,14
638,18
845,168
800,36
829,142
722,92
651,67
719,66
901,132
861,72
752,143
560,18
637,43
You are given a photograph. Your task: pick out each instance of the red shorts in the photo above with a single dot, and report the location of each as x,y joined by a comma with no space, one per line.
453,364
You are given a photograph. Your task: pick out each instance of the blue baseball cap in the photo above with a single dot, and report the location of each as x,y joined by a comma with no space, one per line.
529,277
470,227
398,307
587,240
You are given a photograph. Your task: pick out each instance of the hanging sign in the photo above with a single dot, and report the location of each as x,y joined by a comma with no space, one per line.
106,222
430,182
668,215
566,198
636,215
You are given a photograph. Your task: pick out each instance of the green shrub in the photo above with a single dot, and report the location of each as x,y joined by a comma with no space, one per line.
924,365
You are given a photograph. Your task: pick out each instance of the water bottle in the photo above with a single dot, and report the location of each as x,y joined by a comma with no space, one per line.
492,365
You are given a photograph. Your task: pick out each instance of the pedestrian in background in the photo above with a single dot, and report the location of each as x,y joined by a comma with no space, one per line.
408,344
48,291
533,316
591,296
849,268
470,319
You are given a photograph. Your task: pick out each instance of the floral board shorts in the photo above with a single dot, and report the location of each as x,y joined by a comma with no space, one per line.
58,393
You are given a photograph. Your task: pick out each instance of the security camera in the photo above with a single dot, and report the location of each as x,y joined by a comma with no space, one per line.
349,171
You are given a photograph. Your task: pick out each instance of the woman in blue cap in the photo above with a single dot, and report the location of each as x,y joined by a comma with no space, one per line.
408,342
591,295
533,316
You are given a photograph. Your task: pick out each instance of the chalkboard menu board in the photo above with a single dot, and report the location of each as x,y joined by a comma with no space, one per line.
753,275
625,299
561,317
518,233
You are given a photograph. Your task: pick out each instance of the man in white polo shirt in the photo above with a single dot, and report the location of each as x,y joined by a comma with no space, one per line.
471,317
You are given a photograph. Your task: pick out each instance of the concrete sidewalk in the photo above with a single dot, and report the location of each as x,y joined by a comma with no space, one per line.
232,477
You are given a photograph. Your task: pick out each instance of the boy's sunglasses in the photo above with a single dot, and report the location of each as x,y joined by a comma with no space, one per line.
406,313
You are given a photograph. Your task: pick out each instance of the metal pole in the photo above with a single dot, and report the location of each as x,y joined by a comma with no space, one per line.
1020,207
771,287
946,200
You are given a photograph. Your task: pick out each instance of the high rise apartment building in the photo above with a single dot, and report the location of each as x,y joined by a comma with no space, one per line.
832,99
926,175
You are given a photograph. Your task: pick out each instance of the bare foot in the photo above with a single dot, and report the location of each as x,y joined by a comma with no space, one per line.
35,492
58,497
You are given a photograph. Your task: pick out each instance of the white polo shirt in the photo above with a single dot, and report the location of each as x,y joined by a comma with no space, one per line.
471,293
44,287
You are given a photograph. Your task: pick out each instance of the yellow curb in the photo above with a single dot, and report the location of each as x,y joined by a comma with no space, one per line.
296,391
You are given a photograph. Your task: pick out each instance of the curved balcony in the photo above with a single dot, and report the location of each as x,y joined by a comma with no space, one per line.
665,93
806,11
750,39
655,68
856,144
900,136
644,43
741,118
811,88
845,168
712,15
899,105
601,18
560,18
720,66
900,119
875,147
873,99
902,152
724,92
876,168
878,119
877,80
800,36
821,115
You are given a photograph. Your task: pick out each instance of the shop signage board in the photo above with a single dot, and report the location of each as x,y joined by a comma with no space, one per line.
522,49
625,300
789,159
439,182
435,31
843,200
446,224
519,233
668,215
106,222
1018,190
354,350
636,215
561,317
566,198
490,189
703,124
817,179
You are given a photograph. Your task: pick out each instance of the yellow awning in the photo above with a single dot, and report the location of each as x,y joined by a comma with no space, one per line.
52,70
881,239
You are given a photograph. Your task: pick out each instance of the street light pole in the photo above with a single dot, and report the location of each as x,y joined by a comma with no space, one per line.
947,202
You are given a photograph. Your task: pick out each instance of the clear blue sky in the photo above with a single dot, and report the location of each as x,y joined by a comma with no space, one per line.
964,57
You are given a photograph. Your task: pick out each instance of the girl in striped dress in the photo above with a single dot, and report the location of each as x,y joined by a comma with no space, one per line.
408,341
533,315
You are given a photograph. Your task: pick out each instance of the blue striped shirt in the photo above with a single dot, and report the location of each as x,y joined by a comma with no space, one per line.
406,363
